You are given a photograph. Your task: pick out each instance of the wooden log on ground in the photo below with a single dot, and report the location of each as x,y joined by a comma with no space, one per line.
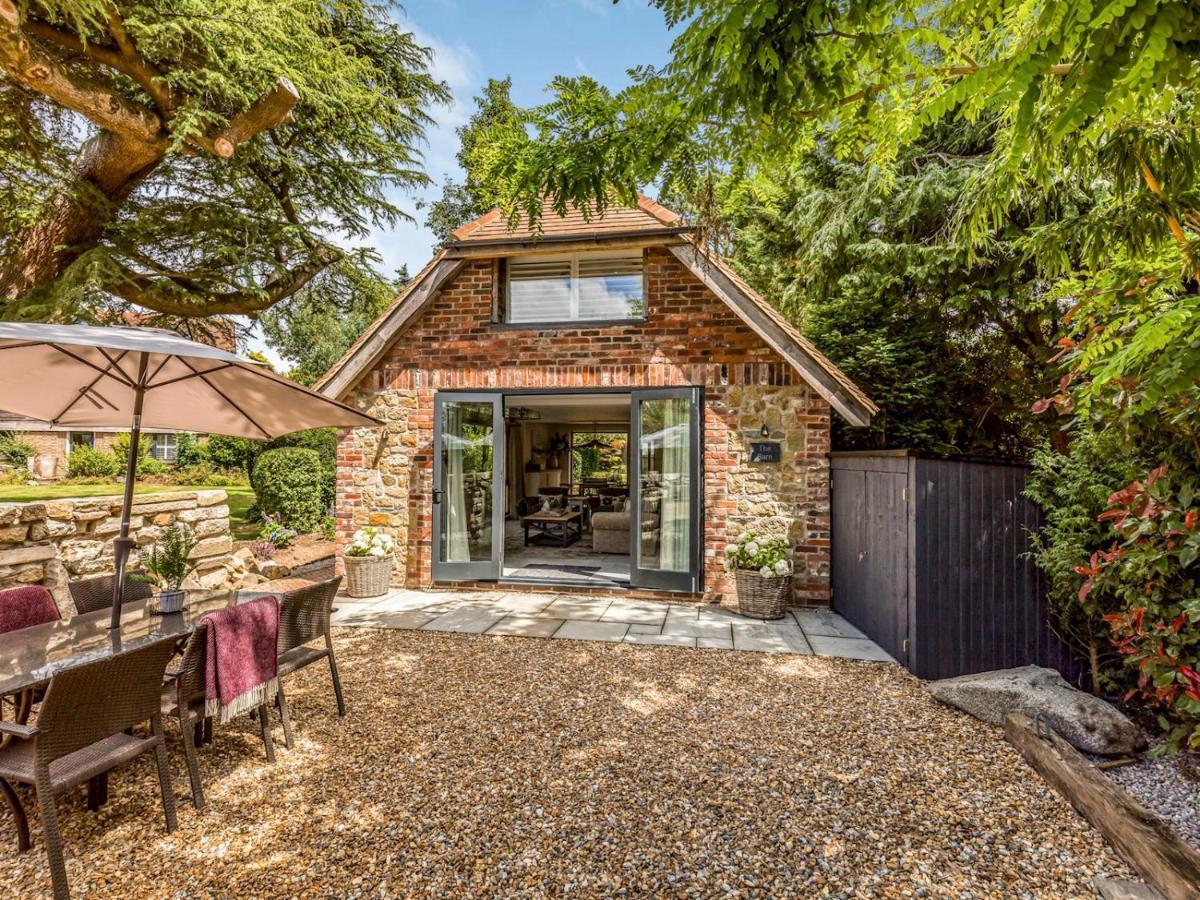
1141,838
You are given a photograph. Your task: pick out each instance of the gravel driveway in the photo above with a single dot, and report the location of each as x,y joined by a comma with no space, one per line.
474,766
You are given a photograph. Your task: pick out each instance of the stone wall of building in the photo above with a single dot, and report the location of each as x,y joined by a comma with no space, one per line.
690,338
55,541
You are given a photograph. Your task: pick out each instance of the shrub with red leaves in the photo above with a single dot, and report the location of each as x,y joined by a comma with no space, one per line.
1151,567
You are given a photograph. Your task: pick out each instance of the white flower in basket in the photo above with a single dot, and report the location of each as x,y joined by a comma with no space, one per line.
762,567
369,562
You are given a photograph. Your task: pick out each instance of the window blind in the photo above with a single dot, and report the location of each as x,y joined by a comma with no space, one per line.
570,287
539,291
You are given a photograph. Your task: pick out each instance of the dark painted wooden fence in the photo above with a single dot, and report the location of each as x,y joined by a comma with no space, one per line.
930,560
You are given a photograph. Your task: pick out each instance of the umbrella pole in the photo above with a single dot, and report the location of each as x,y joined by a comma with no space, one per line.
123,544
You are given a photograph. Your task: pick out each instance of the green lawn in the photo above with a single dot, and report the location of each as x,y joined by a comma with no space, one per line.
240,498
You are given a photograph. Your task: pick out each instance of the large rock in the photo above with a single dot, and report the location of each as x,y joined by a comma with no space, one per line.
1123,889
1089,723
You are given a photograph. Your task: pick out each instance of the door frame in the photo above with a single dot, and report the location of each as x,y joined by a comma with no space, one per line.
475,570
697,511
692,581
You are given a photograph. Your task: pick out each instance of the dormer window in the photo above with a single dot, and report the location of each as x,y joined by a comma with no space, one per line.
558,288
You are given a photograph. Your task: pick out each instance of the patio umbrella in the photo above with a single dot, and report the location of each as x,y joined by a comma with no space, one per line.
122,377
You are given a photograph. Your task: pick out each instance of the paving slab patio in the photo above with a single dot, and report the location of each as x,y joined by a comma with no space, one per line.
647,622
586,630
526,626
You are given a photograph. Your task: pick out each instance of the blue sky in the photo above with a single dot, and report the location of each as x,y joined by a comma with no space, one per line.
529,40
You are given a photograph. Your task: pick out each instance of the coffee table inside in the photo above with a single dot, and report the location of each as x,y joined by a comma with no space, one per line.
553,529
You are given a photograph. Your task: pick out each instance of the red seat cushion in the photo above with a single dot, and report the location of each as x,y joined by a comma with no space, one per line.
24,607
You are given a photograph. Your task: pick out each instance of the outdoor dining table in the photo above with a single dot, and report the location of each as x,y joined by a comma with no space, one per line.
30,657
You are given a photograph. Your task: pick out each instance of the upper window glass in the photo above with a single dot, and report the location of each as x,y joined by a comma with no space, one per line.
570,287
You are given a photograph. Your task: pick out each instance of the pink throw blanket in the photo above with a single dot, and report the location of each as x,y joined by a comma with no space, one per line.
25,607
243,667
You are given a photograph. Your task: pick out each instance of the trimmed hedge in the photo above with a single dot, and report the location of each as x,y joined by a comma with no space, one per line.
288,482
84,462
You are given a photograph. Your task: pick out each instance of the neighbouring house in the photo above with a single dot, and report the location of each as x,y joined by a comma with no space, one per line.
596,404
53,444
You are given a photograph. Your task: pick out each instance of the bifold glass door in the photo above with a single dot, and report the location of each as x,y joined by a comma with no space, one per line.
468,482
665,487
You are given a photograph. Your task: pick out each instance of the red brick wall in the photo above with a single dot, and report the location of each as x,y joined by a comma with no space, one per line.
689,338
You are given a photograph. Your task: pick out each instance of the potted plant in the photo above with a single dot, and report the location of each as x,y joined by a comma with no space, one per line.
559,444
167,566
368,559
762,569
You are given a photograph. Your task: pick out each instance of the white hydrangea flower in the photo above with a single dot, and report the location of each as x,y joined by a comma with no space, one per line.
766,572
752,548
731,549
782,567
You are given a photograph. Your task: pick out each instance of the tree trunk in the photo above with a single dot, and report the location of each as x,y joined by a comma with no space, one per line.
72,222
1094,666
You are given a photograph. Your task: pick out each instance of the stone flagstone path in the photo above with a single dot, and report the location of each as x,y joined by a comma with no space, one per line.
568,617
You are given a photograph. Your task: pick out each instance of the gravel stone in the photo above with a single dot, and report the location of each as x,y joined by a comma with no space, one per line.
474,766
1168,786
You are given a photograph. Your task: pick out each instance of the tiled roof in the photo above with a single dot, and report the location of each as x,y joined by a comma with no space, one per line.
648,217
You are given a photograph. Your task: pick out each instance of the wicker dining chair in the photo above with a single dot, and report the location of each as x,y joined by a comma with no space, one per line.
84,729
303,618
91,594
183,699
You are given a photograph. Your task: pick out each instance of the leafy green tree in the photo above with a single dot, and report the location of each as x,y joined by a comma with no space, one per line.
261,358
494,117
231,453
189,451
198,158
315,327
951,344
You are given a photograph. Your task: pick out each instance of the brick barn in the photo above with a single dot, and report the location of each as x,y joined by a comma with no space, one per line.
596,406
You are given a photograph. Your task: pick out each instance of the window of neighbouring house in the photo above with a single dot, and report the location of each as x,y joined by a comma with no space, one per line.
574,287
77,439
164,447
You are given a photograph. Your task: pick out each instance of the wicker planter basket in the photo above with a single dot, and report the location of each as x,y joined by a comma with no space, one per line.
367,576
762,597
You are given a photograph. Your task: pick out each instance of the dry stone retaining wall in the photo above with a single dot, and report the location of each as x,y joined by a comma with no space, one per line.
55,541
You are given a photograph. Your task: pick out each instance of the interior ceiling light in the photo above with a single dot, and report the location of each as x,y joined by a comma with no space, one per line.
595,443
